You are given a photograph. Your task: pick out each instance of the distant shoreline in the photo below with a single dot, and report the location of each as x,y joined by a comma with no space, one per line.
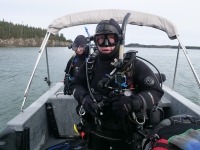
36,42
160,46
31,42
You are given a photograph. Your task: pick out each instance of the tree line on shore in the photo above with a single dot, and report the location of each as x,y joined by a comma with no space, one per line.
14,34
9,30
159,46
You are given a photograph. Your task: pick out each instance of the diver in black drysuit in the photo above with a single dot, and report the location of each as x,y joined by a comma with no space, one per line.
75,62
81,53
110,124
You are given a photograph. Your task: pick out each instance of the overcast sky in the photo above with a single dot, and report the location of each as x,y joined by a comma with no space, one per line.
185,14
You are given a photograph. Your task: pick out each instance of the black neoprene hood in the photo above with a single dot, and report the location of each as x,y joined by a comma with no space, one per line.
80,40
108,26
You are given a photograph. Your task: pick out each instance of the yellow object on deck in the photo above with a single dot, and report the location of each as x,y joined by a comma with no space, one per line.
75,128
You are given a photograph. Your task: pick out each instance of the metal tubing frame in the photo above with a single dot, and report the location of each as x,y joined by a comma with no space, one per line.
188,59
176,66
90,45
47,62
36,64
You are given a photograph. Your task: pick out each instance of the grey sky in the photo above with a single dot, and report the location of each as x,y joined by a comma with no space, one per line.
40,13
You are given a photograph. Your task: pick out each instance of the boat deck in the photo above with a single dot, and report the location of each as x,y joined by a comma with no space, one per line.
51,142
62,109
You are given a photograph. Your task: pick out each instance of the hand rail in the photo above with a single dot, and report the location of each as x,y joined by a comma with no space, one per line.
188,59
36,64
176,66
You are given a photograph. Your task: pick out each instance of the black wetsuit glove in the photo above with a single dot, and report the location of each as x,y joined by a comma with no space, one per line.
89,105
123,105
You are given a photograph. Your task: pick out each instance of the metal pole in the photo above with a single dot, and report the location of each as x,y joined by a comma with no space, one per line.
188,59
90,46
47,62
176,66
86,30
36,64
45,40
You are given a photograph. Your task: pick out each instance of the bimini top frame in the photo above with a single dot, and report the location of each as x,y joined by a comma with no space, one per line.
95,16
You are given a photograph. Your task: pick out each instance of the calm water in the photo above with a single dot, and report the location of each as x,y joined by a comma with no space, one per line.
16,65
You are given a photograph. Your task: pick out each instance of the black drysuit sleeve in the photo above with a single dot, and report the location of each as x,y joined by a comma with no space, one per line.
149,89
79,84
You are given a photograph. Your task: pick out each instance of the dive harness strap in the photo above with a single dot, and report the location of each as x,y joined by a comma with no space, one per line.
128,61
126,123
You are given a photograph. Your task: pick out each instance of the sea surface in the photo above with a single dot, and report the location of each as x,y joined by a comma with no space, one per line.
16,66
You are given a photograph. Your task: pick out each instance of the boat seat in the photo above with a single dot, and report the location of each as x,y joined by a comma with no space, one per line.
63,109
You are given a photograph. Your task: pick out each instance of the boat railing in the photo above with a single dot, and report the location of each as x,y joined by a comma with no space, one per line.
137,18
42,48
189,61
